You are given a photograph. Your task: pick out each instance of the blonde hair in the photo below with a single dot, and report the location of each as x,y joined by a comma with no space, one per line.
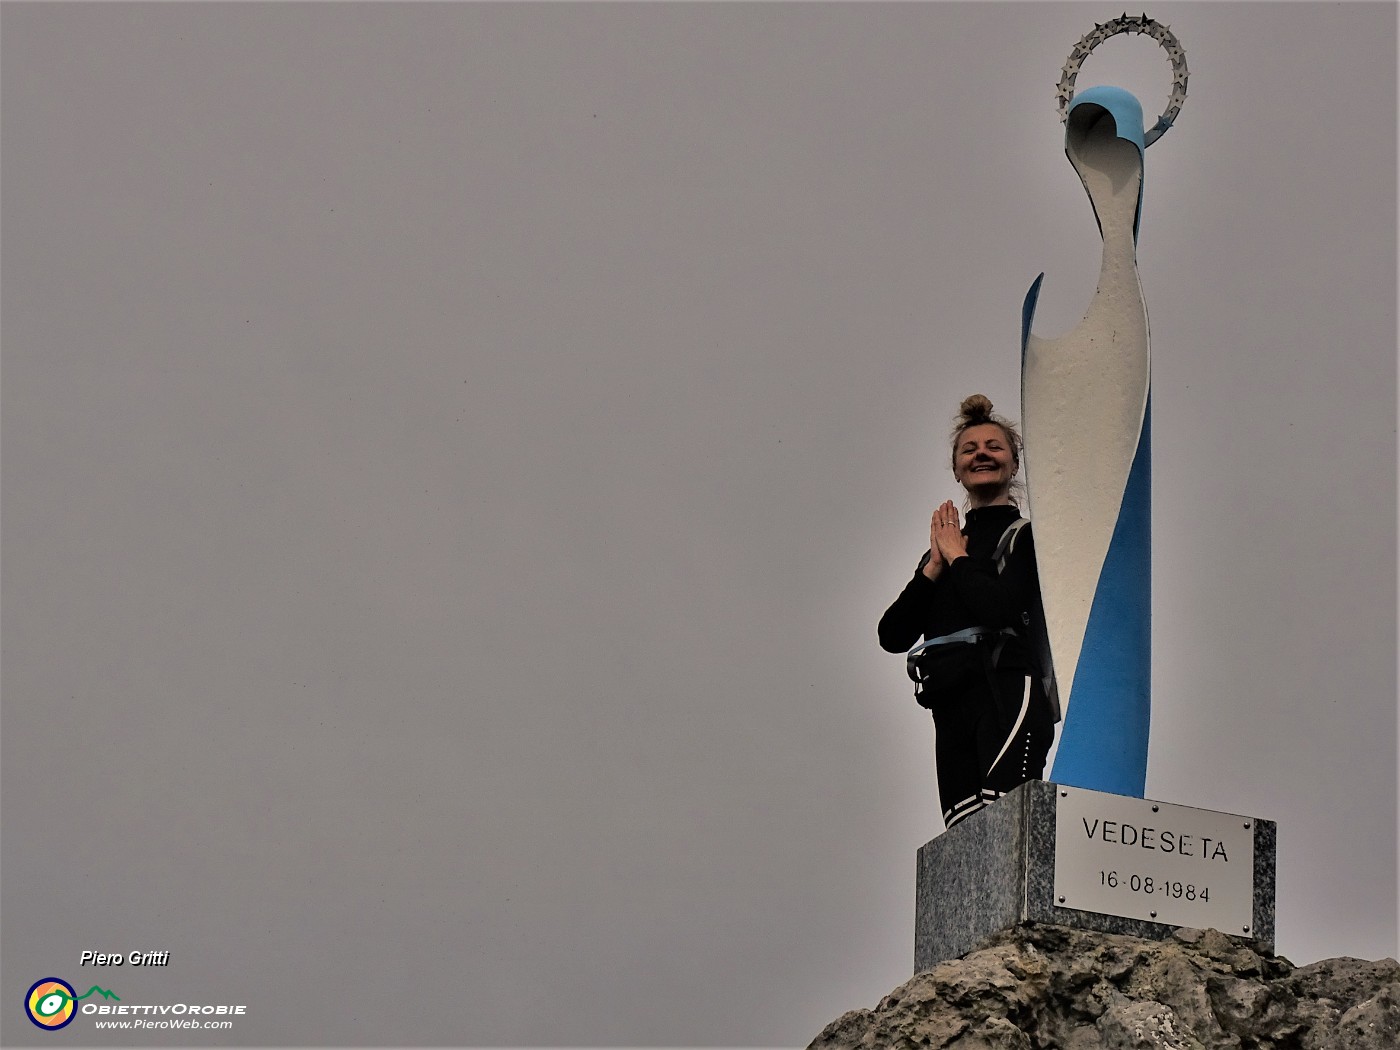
975,410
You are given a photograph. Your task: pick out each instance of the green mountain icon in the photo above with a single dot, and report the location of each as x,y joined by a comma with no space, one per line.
105,993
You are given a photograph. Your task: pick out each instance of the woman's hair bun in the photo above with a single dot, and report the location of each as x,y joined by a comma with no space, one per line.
975,409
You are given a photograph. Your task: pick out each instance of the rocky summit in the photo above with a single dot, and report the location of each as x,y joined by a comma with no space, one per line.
1040,987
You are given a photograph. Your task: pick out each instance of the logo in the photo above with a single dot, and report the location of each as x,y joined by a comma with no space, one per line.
51,1002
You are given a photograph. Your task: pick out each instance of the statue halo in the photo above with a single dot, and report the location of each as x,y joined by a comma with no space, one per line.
1126,23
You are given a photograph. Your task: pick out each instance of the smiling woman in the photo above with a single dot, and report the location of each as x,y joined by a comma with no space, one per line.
973,617
985,460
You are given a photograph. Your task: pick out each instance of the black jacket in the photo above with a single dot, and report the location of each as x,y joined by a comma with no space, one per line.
971,593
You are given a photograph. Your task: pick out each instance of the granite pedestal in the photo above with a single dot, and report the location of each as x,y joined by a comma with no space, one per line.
996,869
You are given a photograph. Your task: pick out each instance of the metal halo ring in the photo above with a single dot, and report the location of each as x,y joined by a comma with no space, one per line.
1126,23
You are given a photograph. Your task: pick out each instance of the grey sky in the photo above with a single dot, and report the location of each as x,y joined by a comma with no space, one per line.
455,457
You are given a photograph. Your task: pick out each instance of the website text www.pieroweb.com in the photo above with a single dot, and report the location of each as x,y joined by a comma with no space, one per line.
147,1016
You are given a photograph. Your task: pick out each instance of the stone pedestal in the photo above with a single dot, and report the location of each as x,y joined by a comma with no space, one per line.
996,869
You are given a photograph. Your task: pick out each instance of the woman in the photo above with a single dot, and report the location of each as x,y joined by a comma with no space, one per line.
993,717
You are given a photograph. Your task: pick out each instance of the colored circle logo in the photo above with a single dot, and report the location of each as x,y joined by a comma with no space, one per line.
50,1004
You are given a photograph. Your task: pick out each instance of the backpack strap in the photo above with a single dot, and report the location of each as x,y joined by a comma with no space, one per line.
1005,546
1040,641
1007,543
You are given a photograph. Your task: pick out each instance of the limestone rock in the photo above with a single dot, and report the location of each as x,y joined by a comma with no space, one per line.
1055,988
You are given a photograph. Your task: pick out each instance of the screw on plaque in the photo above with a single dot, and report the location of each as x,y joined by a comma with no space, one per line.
1062,900
1156,809
1153,914
1246,824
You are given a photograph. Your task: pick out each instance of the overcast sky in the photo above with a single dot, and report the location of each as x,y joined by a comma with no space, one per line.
455,457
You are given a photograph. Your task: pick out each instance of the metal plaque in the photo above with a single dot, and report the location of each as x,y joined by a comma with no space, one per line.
1141,859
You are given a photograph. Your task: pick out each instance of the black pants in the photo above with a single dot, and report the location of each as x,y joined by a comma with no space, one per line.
989,740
